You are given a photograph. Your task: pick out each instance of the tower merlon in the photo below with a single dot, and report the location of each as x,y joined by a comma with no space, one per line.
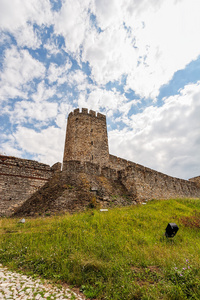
76,111
101,116
70,114
92,113
84,111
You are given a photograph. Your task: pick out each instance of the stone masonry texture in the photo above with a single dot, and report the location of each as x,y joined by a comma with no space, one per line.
90,176
196,180
86,137
19,179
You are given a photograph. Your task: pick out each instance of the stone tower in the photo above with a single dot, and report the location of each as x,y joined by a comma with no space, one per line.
86,137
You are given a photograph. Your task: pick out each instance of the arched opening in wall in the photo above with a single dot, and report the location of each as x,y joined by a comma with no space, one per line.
91,142
92,157
76,119
91,130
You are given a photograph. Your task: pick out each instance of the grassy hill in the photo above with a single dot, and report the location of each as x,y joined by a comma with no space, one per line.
119,254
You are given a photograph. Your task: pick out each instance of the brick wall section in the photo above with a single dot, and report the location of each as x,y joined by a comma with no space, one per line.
86,137
19,179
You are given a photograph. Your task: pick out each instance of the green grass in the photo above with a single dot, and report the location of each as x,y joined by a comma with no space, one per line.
119,254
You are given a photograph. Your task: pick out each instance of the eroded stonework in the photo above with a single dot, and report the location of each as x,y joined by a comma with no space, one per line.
90,176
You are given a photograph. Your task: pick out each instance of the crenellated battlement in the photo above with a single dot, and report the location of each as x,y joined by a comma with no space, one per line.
85,111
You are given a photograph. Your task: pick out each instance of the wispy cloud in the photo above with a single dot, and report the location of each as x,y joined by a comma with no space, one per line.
19,69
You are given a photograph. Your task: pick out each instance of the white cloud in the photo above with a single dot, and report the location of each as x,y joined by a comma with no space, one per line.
63,110
78,79
19,69
43,93
15,14
27,36
164,138
61,121
52,46
18,18
8,146
118,11
4,38
46,146
110,54
166,44
59,73
27,111
72,22
40,111
146,40
108,12
99,99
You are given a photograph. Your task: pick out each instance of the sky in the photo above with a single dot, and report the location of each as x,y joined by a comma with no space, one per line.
137,61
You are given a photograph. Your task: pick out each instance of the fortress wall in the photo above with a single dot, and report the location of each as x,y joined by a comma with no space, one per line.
19,179
149,184
141,182
109,173
76,167
86,137
117,162
196,180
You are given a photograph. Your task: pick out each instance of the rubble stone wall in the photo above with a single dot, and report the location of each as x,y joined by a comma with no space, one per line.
77,167
196,180
149,184
118,163
19,179
143,183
